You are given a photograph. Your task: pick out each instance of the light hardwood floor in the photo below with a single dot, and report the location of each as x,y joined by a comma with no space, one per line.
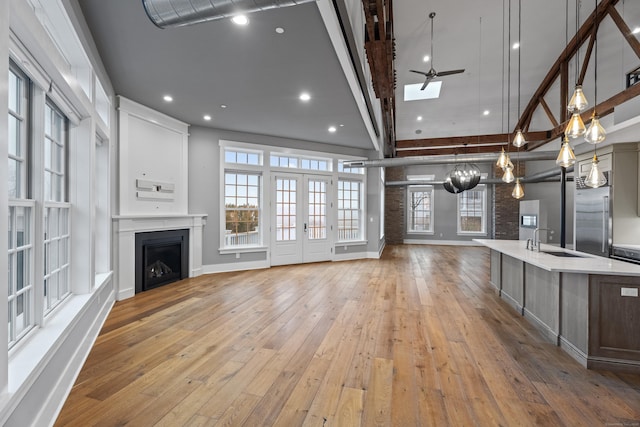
417,338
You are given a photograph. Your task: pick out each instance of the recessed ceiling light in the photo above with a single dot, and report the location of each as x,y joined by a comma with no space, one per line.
279,30
168,98
636,30
207,117
425,58
486,112
332,129
419,118
240,20
223,106
305,96
516,45
341,125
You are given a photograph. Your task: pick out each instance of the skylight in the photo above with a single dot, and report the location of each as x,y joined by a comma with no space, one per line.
413,93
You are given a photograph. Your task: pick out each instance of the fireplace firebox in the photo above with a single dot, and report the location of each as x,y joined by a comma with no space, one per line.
162,257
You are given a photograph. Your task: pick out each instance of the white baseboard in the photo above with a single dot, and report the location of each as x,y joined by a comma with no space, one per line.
234,266
441,242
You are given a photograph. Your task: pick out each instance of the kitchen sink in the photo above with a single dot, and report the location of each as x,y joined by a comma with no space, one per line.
563,254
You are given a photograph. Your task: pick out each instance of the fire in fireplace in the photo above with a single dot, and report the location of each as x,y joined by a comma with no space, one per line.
162,257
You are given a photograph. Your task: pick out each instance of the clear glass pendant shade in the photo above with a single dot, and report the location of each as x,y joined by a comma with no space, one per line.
503,159
595,133
518,140
578,101
518,191
575,127
595,178
508,174
566,157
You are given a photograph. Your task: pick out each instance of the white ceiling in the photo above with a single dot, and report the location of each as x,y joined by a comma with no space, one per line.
259,74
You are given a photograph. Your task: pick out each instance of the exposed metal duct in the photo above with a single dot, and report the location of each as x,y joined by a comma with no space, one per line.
544,176
178,13
537,177
448,159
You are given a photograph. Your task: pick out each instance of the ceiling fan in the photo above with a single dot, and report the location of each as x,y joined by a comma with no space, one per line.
432,73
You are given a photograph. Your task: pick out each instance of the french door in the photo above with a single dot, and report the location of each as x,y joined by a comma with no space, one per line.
300,215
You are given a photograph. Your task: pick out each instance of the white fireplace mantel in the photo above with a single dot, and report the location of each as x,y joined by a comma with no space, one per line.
125,228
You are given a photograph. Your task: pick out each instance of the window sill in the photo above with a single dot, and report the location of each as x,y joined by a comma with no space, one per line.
421,233
242,250
28,354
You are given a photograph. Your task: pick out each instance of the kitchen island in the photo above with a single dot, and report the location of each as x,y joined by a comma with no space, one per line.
586,304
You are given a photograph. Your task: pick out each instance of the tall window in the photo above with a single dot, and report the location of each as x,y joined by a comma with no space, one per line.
242,209
18,111
349,210
420,204
56,210
20,234
472,211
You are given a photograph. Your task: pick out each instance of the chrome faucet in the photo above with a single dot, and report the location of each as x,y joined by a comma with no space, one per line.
535,244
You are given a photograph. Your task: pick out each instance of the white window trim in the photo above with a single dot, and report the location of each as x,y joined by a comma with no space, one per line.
266,169
254,170
420,188
483,232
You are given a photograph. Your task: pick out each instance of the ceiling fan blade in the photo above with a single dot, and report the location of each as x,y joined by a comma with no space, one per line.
420,72
448,73
426,82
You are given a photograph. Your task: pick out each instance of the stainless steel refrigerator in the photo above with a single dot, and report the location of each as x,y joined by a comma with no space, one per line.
593,219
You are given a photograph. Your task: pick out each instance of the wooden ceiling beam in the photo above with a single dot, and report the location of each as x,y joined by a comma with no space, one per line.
625,30
550,115
602,109
472,140
587,57
569,52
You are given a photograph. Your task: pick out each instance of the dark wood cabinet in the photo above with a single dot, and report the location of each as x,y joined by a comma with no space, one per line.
614,317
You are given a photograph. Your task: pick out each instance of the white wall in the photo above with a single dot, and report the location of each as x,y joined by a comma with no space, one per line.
153,149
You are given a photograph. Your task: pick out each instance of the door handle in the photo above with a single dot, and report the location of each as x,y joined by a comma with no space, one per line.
305,227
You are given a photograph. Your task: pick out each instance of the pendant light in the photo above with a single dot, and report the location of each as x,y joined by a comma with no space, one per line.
508,176
519,140
503,160
566,157
518,191
575,127
595,178
578,101
596,133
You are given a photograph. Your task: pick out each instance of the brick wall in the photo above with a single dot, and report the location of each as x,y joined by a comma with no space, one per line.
505,207
394,210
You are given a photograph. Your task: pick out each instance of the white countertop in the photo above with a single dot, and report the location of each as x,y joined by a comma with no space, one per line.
587,263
